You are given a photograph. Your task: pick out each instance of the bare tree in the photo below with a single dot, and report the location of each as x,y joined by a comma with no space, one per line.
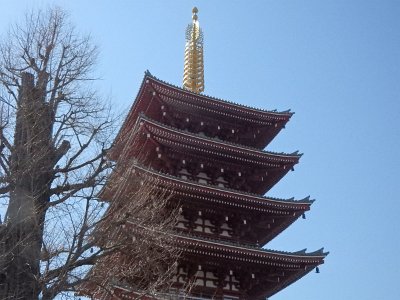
54,136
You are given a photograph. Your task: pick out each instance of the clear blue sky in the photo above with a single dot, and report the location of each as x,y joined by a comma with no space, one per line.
336,63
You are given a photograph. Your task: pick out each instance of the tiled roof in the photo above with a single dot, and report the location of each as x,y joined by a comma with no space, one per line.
295,154
306,200
283,113
247,247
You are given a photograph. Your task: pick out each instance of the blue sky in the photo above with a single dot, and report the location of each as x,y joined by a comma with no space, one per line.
335,63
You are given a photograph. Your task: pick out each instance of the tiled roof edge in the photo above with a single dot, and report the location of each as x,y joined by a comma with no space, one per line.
301,253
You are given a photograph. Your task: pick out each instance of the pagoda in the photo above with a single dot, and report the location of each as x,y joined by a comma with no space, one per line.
209,153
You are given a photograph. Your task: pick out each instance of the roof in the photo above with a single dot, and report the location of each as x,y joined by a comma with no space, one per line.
219,101
235,196
197,101
287,257
221,145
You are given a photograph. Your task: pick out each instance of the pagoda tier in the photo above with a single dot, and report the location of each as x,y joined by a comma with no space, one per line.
207,160
196,113
219,212
237,270
225,270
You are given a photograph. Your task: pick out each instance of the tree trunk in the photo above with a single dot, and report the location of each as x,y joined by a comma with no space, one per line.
30,172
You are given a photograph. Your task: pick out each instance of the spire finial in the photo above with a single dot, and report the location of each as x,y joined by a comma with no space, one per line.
193,76
194,12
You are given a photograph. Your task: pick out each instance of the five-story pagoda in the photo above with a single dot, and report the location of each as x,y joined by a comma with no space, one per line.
209,152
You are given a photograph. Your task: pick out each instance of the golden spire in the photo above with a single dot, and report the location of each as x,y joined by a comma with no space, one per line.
193,74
